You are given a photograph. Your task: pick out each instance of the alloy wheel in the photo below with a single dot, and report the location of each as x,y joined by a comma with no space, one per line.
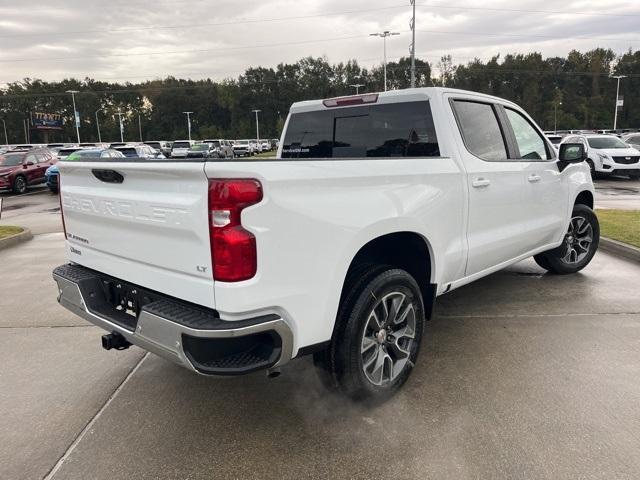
578,240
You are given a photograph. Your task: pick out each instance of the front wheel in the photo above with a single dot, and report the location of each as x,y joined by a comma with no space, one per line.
578,246
20,185
377,336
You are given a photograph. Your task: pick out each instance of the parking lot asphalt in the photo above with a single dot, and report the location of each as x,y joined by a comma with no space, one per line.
521,375
618,193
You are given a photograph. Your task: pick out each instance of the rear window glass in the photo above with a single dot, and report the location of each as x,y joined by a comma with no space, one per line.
181,145
480,130
128,152
390,130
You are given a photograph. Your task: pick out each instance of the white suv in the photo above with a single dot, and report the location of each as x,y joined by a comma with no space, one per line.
607,155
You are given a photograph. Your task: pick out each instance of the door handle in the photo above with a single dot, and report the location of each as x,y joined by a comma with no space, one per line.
534,178
480,182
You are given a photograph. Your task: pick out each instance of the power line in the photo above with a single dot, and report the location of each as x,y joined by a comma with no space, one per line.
524,35
520,10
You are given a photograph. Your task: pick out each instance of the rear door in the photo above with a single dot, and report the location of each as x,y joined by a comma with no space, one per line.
141,221
497,199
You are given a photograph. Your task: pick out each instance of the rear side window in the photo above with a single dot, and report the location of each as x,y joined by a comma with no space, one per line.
530,142
389,130
480,130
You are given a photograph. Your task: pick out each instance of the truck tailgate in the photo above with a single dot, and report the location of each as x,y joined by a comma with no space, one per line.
147,223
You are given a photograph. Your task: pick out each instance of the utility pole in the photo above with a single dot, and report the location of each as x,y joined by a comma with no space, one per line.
6,138
98,125
555,116
76,117
257,125
140,127
384,36
615,115
188,114
26,135
357,86
413,45
119,113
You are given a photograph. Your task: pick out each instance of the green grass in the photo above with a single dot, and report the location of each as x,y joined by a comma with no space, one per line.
7,231
621,225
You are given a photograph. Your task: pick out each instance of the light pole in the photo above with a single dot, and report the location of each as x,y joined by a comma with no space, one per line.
555,116
413,45
188,114
384,36
98,125
119,113
615,115
257,125
357,86
140,127
76,117
6,138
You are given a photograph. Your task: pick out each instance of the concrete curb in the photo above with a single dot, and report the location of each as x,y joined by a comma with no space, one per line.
15,239
620,249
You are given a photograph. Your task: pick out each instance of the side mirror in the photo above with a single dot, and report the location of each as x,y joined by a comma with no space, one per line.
571,153
28,164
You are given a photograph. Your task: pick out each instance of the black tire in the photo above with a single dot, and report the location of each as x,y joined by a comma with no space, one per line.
342,365
53,190
19,185
561,260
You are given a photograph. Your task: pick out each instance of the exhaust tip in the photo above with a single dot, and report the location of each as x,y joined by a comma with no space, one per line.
114,340
273,372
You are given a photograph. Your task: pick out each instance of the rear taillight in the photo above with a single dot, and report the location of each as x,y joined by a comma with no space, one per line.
351,100
233,249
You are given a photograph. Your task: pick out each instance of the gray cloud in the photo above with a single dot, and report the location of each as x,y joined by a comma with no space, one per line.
80,38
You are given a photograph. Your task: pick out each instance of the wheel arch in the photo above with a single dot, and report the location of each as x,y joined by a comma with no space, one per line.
585,197
407,250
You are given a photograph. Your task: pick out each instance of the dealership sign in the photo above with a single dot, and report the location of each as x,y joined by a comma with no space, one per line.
46,121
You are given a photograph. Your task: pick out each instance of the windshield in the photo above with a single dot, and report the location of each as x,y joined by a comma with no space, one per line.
606,142
242,142
181,145
11,160
128,152
634,140
555,140
78,154
200,148
155,145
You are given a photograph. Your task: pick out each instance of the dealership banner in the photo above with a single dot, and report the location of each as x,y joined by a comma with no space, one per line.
46,121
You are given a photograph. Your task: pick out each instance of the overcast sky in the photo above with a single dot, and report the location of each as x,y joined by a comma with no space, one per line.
134,40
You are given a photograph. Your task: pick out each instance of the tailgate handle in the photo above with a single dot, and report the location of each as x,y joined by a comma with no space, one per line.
108,176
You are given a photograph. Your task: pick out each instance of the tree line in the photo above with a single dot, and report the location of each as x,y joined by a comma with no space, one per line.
577,88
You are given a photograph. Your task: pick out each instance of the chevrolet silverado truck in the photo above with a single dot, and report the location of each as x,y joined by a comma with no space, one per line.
375,205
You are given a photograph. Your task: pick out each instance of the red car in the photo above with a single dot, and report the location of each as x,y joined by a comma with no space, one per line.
19,170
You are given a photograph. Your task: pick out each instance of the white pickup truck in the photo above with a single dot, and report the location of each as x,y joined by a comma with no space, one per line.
375,205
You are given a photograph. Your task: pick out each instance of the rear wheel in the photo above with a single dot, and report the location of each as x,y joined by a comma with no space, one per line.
578,246
20,184
377,337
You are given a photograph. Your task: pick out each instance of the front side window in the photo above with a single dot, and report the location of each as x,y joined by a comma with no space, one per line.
389,130
530,143
480,130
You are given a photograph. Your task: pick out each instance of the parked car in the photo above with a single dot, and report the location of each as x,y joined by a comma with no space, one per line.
265,145
632,139
65,152
203,150
161,145
180,148
140,151
118,144
52,173
555,140
255,146
242,148
608,154
224,147
378,203
21,169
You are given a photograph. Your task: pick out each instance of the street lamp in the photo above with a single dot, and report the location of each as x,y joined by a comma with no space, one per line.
188,114
75,112
615,115
555,116
98,125
384,36
257,125
6,138
119,113
357,86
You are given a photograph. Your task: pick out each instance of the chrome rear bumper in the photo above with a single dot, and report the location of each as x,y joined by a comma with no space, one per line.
190,336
